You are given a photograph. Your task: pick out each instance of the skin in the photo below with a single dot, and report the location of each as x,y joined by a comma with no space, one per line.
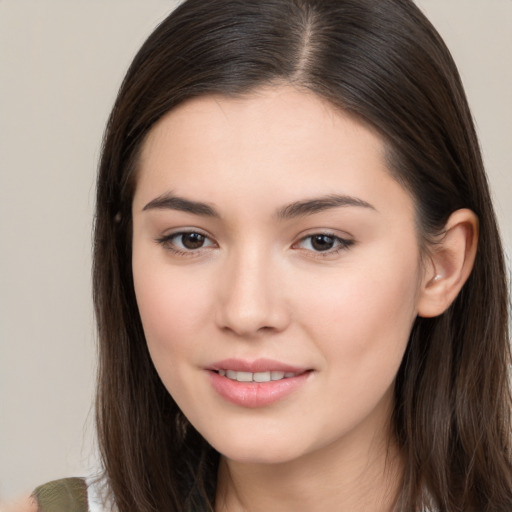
26,504
259,288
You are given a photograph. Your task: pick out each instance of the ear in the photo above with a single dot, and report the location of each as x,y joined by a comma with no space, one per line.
451,260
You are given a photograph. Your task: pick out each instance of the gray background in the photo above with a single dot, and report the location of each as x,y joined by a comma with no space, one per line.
61,63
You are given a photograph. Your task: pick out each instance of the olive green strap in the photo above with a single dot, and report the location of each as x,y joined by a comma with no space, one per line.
66,495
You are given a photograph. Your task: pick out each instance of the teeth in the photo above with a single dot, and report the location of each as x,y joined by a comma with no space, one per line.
256,377
244,376
261,377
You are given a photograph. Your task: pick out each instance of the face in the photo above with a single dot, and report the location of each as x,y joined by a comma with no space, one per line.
277,272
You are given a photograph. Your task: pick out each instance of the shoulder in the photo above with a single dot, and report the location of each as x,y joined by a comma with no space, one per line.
27,504
66,495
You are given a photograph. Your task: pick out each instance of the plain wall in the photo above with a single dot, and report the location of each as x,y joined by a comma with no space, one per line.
61,63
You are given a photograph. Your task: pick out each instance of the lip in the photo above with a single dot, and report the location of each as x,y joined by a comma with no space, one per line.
258,365
256,394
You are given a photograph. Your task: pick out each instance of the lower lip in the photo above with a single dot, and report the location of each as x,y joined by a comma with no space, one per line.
255,394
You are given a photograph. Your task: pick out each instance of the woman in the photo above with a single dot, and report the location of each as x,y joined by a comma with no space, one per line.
299,283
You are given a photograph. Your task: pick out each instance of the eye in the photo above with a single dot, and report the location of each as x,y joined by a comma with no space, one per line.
190,240
186,241
324,242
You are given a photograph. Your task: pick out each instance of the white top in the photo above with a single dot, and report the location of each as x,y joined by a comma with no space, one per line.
93,496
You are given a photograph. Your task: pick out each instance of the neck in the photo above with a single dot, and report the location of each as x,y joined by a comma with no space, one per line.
345,478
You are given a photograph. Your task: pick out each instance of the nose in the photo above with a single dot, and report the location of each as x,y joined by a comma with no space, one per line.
251,299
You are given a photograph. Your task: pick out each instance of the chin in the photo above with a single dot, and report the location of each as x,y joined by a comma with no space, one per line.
257,457
247,450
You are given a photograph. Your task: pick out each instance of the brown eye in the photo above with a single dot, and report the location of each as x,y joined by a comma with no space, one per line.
322,242
192,240
186,242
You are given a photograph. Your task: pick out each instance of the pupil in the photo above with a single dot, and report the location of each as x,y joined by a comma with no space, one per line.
192,240
322,242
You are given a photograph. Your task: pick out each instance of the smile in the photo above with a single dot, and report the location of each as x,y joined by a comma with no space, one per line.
267,376
257,383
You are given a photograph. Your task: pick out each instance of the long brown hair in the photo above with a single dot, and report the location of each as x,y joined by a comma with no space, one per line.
382,61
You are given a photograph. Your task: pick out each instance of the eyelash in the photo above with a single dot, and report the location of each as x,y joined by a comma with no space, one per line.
341,244
168,243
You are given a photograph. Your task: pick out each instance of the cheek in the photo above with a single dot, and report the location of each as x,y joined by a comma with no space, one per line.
362,317
361,324
172,309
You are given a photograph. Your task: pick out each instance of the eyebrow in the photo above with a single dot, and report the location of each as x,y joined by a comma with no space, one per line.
170,201
316,205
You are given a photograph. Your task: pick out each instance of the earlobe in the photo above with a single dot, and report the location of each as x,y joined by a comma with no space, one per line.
451,260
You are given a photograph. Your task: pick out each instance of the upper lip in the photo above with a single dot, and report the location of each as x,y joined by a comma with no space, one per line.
255,366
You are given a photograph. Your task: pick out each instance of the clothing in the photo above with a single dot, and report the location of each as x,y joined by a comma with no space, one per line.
73,495
69,495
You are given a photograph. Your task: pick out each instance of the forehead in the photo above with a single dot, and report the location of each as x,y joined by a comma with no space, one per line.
280,109
278,138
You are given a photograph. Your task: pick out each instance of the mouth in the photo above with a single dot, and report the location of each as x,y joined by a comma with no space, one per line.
266,376
257,383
